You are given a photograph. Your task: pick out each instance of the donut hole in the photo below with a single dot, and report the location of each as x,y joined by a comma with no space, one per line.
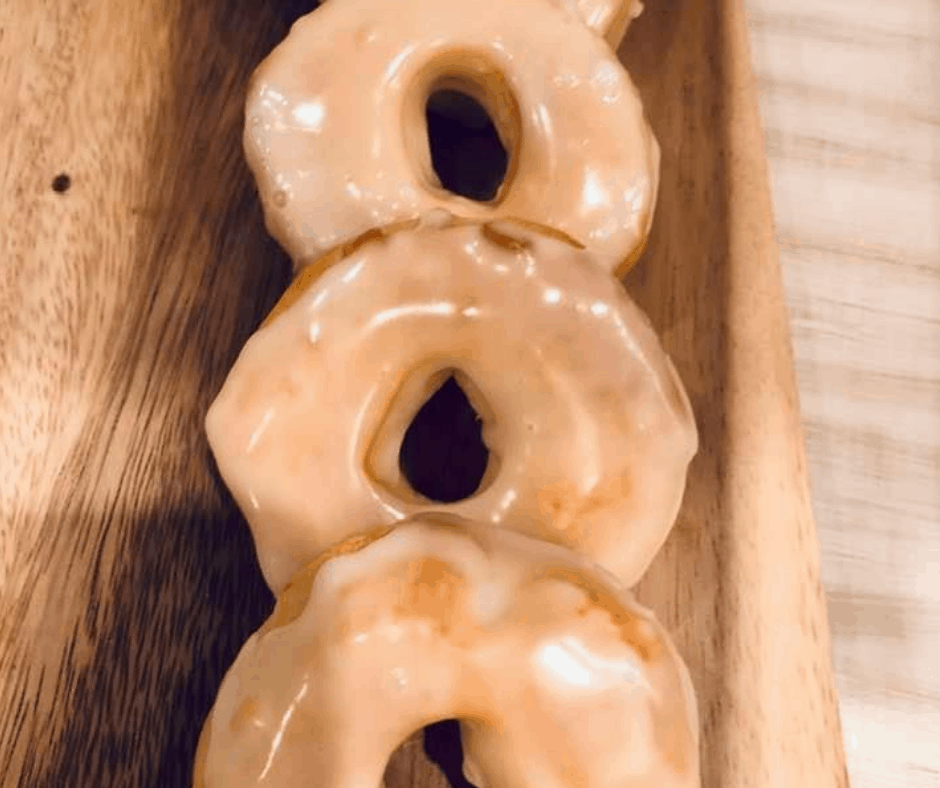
467,154
442,455
438,743
443,747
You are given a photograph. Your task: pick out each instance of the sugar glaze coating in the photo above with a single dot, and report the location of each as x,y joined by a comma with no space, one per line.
589,428
508,610
337,140
559,676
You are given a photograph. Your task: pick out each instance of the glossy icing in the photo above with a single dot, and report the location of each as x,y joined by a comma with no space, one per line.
337,140
558,676
508,609
588,426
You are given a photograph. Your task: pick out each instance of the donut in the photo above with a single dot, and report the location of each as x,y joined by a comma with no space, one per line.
557,675
337,140
588,427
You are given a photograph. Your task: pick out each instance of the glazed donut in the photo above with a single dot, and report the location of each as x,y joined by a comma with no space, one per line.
558,677
588,426
336,130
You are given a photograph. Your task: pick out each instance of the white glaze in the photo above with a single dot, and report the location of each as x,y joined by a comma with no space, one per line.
588,425
337,140
386,639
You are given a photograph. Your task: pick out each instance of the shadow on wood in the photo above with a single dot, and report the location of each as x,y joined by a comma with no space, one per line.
139,580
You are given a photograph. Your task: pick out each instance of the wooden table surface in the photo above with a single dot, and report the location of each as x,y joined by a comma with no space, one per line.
851,102
850,96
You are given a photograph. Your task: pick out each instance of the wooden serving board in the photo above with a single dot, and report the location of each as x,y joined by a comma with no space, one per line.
127,579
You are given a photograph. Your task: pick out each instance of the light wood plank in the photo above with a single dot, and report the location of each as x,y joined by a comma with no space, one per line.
850,96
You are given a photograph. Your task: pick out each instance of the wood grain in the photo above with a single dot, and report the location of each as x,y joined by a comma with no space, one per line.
738,582
127,579
851,103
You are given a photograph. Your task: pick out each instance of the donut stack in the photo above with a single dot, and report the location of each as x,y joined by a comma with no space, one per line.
507,609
